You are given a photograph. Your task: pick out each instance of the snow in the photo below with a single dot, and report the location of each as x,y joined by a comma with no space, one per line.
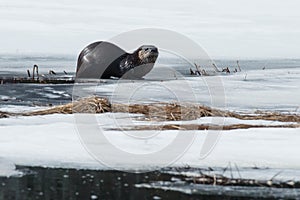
270,89
224,28
57,140
7,168
18,108
53,141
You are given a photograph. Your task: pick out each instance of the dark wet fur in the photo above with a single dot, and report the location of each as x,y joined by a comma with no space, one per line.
124,63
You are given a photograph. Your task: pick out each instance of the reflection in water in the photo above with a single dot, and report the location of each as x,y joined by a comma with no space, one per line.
49,183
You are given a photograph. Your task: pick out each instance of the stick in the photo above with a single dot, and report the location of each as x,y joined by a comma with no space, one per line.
216,68
237,62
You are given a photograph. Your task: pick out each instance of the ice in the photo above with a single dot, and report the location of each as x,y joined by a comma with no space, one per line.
5,98
53,141
224,28
269,90
18,108
7,168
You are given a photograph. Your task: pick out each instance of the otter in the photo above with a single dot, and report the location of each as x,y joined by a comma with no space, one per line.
106,60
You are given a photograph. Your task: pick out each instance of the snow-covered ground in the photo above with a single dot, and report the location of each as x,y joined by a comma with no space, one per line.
270,89
54,140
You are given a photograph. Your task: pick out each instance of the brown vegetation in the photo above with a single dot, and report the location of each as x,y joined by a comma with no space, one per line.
160,111
166,112
3,115
204,127
217,179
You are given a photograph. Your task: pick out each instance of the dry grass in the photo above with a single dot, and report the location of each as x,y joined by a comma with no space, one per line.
218,179
160,112
203,127
87,105
3,115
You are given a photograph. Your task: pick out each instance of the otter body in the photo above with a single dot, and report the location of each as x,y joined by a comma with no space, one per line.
105,60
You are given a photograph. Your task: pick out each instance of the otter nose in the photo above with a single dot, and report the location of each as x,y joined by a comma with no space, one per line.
154,50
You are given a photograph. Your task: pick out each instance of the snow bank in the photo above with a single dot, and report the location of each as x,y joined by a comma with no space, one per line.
53,141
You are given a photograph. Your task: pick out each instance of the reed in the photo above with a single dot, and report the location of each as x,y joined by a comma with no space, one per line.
157,111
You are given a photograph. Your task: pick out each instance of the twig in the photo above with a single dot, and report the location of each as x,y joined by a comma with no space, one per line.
276,175
230,170
216,68
238,170
238,64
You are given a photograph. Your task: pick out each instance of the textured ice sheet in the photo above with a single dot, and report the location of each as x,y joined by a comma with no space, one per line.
53,141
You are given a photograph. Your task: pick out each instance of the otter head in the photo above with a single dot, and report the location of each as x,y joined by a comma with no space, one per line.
147,54
141,61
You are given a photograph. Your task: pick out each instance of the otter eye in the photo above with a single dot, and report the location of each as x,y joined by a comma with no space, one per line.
146,49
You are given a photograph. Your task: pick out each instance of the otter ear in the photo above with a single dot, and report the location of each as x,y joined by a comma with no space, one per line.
140,48
136,52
